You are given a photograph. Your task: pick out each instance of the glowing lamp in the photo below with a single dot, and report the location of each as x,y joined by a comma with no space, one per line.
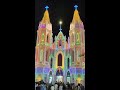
60,22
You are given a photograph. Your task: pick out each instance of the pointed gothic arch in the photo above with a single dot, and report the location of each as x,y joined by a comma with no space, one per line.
47,55
68,63
60,55
48,38
72,37
60,59
72,55
51,63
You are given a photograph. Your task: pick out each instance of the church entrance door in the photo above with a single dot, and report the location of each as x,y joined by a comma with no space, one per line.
59,75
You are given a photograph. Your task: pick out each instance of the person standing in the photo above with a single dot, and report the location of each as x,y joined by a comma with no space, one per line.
61,87
42,87
38,87
82,87
52,87
78,87
56,86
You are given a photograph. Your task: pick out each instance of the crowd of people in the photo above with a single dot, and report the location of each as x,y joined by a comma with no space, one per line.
58,86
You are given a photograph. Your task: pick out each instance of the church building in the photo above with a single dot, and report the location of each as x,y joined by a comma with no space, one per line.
64,58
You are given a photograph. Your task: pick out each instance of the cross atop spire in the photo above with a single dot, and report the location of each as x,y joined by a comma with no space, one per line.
46,7
60,25
75,7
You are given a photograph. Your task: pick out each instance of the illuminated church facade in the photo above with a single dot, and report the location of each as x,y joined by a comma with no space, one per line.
64,59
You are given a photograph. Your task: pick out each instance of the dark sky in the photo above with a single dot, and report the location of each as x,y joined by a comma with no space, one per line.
59,10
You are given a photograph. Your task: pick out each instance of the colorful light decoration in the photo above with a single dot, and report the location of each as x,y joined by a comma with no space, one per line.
46,70
41,55
43,37
83,71
73,41
78,71
42,26
77,25
72,70
82,26
39,70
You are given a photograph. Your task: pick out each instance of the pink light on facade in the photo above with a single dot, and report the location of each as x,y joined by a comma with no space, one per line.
81,25
42,26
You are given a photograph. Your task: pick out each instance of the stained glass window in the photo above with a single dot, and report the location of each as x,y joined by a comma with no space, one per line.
60,60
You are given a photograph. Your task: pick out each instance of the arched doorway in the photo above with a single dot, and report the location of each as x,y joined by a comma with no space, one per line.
59,75
50,77
68,76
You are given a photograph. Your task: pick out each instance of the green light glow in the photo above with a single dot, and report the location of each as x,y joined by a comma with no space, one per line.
77,39
41,55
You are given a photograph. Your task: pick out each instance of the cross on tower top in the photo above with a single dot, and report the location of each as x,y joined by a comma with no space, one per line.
46,7
75,7
60,25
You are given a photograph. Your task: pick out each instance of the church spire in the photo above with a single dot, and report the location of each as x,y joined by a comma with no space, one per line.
76,17
46,18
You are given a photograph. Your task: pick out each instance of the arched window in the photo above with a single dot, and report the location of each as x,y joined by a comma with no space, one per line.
60,60
36,54
60,43
37,39
47,38
68,61
77,37
41,55
43,37
46,55
73,55
51,63
72,38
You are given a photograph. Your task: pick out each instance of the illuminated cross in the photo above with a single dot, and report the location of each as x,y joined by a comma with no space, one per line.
46,7
75,7
60,25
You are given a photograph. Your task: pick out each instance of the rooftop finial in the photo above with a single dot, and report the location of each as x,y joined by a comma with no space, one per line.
60,25
46,7
75,7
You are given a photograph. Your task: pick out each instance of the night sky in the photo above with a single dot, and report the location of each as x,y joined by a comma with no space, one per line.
59,10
